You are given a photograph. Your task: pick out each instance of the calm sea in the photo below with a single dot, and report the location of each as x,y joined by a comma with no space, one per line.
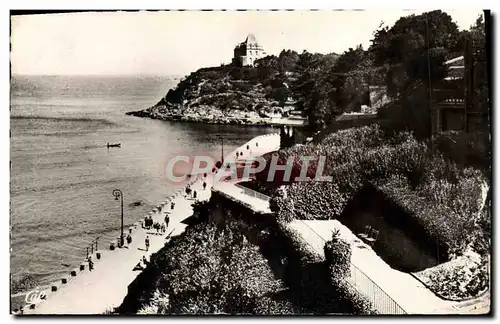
63,175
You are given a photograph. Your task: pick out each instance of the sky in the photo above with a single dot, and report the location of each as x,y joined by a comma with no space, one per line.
179,42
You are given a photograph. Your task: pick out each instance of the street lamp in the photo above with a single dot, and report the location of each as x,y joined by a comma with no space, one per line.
119,194
222,153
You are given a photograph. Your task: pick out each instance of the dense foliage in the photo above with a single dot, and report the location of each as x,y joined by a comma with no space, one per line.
444,198
406,58
282,206
463,278
214,270
461,283
413,52
338,257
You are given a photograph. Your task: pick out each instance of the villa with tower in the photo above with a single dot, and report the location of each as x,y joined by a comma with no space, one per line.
247,52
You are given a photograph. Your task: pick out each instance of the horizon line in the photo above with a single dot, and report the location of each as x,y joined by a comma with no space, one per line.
98,75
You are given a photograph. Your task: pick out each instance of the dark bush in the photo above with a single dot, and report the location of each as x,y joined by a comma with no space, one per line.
338,257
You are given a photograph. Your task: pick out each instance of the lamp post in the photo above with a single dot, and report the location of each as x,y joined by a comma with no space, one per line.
119,194
222,150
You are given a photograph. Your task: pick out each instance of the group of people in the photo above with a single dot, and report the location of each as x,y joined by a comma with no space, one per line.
190,191
142,264
148,222
159,227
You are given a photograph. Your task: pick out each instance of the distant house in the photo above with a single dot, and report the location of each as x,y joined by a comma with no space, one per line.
456,68
459,103
246,53
449,95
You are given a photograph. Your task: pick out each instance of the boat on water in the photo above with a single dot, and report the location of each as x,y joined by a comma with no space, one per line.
115,145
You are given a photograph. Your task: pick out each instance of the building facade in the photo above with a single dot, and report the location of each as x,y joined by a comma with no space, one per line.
246,53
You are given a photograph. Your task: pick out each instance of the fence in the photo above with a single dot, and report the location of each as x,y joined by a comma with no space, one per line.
365,286
379,299
92,247
253,193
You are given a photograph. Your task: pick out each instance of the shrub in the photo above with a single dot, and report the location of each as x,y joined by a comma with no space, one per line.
338,257
299,247
207,89
282,206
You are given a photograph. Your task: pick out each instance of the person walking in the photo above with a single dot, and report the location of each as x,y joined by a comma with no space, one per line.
129,239
91,264
167,219
162,229
150,222
172,205
194,194
147,243
204,185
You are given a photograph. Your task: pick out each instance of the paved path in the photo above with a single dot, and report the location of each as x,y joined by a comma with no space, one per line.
94,292
104,288
410,294
242,195
252,199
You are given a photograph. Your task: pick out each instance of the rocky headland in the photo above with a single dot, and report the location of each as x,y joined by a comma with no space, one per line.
230,95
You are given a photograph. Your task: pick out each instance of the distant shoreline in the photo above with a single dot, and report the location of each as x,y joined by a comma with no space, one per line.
221,121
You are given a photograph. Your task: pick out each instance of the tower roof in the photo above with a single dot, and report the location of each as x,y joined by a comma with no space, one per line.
251,39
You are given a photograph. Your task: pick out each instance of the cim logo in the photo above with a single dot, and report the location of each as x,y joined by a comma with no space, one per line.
36,295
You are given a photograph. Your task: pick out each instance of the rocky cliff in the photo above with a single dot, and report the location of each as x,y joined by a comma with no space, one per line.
227,95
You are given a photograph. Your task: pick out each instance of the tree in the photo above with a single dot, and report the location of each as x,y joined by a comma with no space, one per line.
352,74
481,87
414,48
267,67
287,61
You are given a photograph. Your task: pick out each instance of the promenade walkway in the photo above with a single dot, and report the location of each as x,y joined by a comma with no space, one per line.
104,288
243,195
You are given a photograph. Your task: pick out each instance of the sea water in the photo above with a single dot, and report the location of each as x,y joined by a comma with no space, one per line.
63,174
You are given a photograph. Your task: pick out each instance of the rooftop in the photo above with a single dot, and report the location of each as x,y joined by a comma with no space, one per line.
251,39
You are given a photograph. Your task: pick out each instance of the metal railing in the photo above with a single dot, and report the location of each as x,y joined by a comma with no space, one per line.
378,298
380,301
253,193
92,247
